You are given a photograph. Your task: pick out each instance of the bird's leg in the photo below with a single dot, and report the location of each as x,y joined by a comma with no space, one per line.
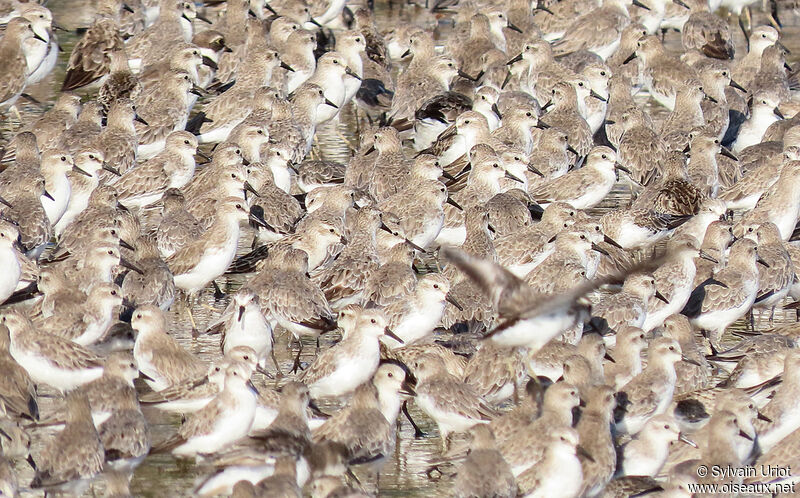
296,365
344,139
17,115
358,125
218,294
445,443
277,367
190,298
417,432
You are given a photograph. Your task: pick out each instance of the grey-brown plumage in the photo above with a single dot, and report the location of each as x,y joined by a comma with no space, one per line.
707,32
527,447
346,278
178,227
565,117
121,82
289,433
484,472
288,296
281,484
90,59
14,67
55,121
361,427
280,210
690,376
649,393
452,404
126,438
17,392
394,280
85,131
155,284
774,280
164,108
495,371
75,455
597,440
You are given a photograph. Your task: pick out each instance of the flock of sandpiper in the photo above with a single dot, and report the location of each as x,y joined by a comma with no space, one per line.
458,253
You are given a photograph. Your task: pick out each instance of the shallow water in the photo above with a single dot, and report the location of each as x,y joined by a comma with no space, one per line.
404,474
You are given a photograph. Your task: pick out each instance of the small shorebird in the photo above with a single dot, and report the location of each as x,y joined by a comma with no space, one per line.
484,472
158,354
452,404
225,420
649,393
50,359
721,300
146,183
351,362
585,187
75,456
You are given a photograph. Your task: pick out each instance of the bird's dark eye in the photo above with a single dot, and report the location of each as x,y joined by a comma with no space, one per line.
111,252
260,132
373,321
602,73
435,286
91,156
331,230
233,175
138,315
186,142
63,158
528,114
113,293
604,156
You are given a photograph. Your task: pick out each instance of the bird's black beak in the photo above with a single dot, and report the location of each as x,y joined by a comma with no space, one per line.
208,61
127,264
